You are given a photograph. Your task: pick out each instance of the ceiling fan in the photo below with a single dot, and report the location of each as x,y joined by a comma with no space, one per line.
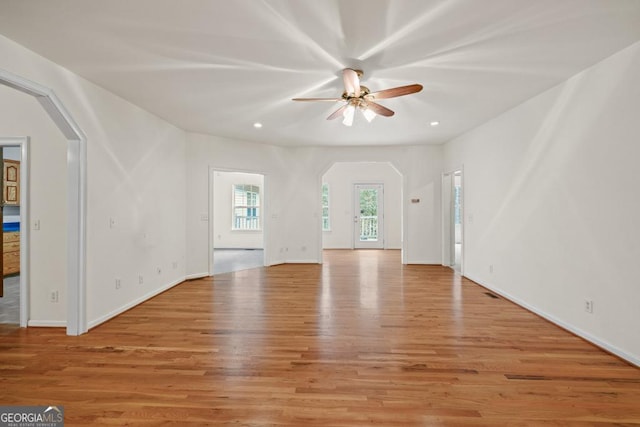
356,96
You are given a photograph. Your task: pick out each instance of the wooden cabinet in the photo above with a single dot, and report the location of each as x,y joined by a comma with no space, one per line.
10,253
11,190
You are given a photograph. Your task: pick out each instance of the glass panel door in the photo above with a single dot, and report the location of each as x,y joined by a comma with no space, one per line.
368,216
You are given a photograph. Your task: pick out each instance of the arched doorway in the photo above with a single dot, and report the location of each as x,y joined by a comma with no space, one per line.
76,195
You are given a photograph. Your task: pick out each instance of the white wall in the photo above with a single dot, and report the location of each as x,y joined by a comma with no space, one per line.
341,178
205,152
421,169
551,201
293,179
224,235
136,191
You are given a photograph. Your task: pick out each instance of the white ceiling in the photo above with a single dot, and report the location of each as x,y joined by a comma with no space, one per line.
218,66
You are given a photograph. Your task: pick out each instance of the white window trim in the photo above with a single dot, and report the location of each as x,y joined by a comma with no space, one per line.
234,229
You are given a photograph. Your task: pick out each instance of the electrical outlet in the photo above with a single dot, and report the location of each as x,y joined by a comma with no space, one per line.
112,222
36,224
140,280
491,268
159,270
118,283
53,295
175,264
588,306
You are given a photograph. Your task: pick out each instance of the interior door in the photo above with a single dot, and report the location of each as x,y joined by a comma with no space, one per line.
368,220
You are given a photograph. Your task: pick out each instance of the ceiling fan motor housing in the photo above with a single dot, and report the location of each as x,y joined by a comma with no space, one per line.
363,92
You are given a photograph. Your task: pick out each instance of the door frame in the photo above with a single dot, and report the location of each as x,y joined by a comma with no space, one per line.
22,142
447,212
380,243
263,207
446,203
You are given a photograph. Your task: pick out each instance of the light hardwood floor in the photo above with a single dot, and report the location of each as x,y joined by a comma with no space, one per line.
360,340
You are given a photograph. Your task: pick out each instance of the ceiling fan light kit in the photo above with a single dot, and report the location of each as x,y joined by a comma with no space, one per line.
368,114
348,114
360,97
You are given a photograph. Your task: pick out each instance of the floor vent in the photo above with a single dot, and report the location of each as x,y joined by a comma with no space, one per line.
492,295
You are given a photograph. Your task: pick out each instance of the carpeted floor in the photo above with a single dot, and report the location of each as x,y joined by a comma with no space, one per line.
10,302
228,260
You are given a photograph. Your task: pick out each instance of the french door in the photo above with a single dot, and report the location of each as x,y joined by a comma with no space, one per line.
368,219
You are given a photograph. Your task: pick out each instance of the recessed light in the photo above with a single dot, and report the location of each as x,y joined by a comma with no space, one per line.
257,125
434,123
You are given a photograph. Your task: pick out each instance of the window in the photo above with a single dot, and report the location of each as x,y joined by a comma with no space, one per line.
326,225
246,207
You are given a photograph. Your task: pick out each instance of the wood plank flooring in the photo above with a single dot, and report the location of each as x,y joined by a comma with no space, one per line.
360,340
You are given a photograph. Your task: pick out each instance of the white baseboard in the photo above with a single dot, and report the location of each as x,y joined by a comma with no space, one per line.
576,331
47,323
303,261
241,248
130,305
196,276
337,248
427,262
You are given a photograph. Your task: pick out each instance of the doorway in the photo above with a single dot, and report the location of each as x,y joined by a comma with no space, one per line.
368,219
237,221
13,204
338,224
452,224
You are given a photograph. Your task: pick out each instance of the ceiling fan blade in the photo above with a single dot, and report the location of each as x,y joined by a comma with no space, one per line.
351,82
318,99
338,112
379,109
393,92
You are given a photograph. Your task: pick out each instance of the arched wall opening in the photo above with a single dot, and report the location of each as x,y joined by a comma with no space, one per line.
339,180
76,322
